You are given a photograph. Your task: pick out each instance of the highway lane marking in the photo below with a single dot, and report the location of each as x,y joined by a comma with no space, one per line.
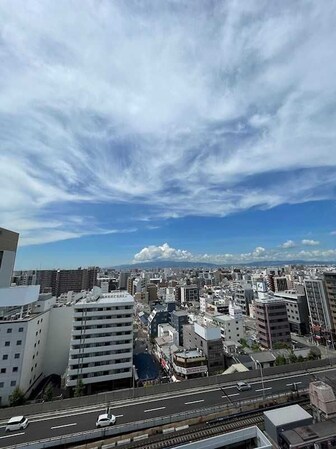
264,389
229,395
13,435
118,416
194,402
154,409
64,425
296,383
95,408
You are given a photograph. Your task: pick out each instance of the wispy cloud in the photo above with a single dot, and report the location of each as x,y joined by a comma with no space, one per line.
309,242
186,110
165,252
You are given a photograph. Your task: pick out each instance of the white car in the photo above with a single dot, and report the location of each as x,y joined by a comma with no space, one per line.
17,423
105,420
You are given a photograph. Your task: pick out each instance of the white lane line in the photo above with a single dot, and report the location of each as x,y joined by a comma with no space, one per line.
229,395
13,435
118,416
154,409
264,389
64,425
296,383
194,402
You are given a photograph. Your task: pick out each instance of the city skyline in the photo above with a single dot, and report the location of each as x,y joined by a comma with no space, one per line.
132,132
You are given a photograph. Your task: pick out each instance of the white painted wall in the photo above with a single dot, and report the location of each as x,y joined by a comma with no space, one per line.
34,350
58,340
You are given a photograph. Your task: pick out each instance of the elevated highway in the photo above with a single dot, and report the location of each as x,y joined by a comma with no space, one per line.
69,421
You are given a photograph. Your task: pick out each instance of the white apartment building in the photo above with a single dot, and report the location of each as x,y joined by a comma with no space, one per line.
23,335
102,339
232,329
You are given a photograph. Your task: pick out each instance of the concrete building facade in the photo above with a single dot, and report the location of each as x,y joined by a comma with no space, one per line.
101,351
208,339
272,322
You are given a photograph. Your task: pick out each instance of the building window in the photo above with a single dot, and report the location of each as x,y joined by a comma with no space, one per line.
15,369
1,384
20,329
13,383
3,370
9,330
7,343
19,342
5,357
16,356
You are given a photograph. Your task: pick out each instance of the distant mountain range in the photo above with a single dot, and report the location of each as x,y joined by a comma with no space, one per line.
184,264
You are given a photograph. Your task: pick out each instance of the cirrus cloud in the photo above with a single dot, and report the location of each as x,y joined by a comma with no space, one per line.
135,103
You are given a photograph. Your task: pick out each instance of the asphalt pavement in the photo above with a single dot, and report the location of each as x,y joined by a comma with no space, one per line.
67,422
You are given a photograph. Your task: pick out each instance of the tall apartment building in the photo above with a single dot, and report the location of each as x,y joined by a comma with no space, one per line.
243,297
123,278
23,327
330,283
178,318
24,277
62,281
318,305
101,352
280,283
189,293
23,336
272,322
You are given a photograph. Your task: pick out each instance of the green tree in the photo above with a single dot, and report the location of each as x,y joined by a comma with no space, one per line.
280,360
300,358
17,397
281,345
293,358
255,347
243,342
48,393
79,390
312,355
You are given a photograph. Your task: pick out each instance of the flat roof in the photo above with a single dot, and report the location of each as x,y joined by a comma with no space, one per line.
106,298
285,415
309,434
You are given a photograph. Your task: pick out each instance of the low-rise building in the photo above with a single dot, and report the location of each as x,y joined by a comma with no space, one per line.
190,363
208,339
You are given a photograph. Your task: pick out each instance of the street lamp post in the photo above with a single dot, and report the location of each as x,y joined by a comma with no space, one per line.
262,380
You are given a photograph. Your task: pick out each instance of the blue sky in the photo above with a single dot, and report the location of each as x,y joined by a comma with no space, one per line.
135,131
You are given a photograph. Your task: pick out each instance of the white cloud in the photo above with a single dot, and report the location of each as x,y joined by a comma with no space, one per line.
333,233
309,242
165,252
288,244
124,102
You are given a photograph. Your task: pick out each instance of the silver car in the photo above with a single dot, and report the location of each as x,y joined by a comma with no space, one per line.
243,386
